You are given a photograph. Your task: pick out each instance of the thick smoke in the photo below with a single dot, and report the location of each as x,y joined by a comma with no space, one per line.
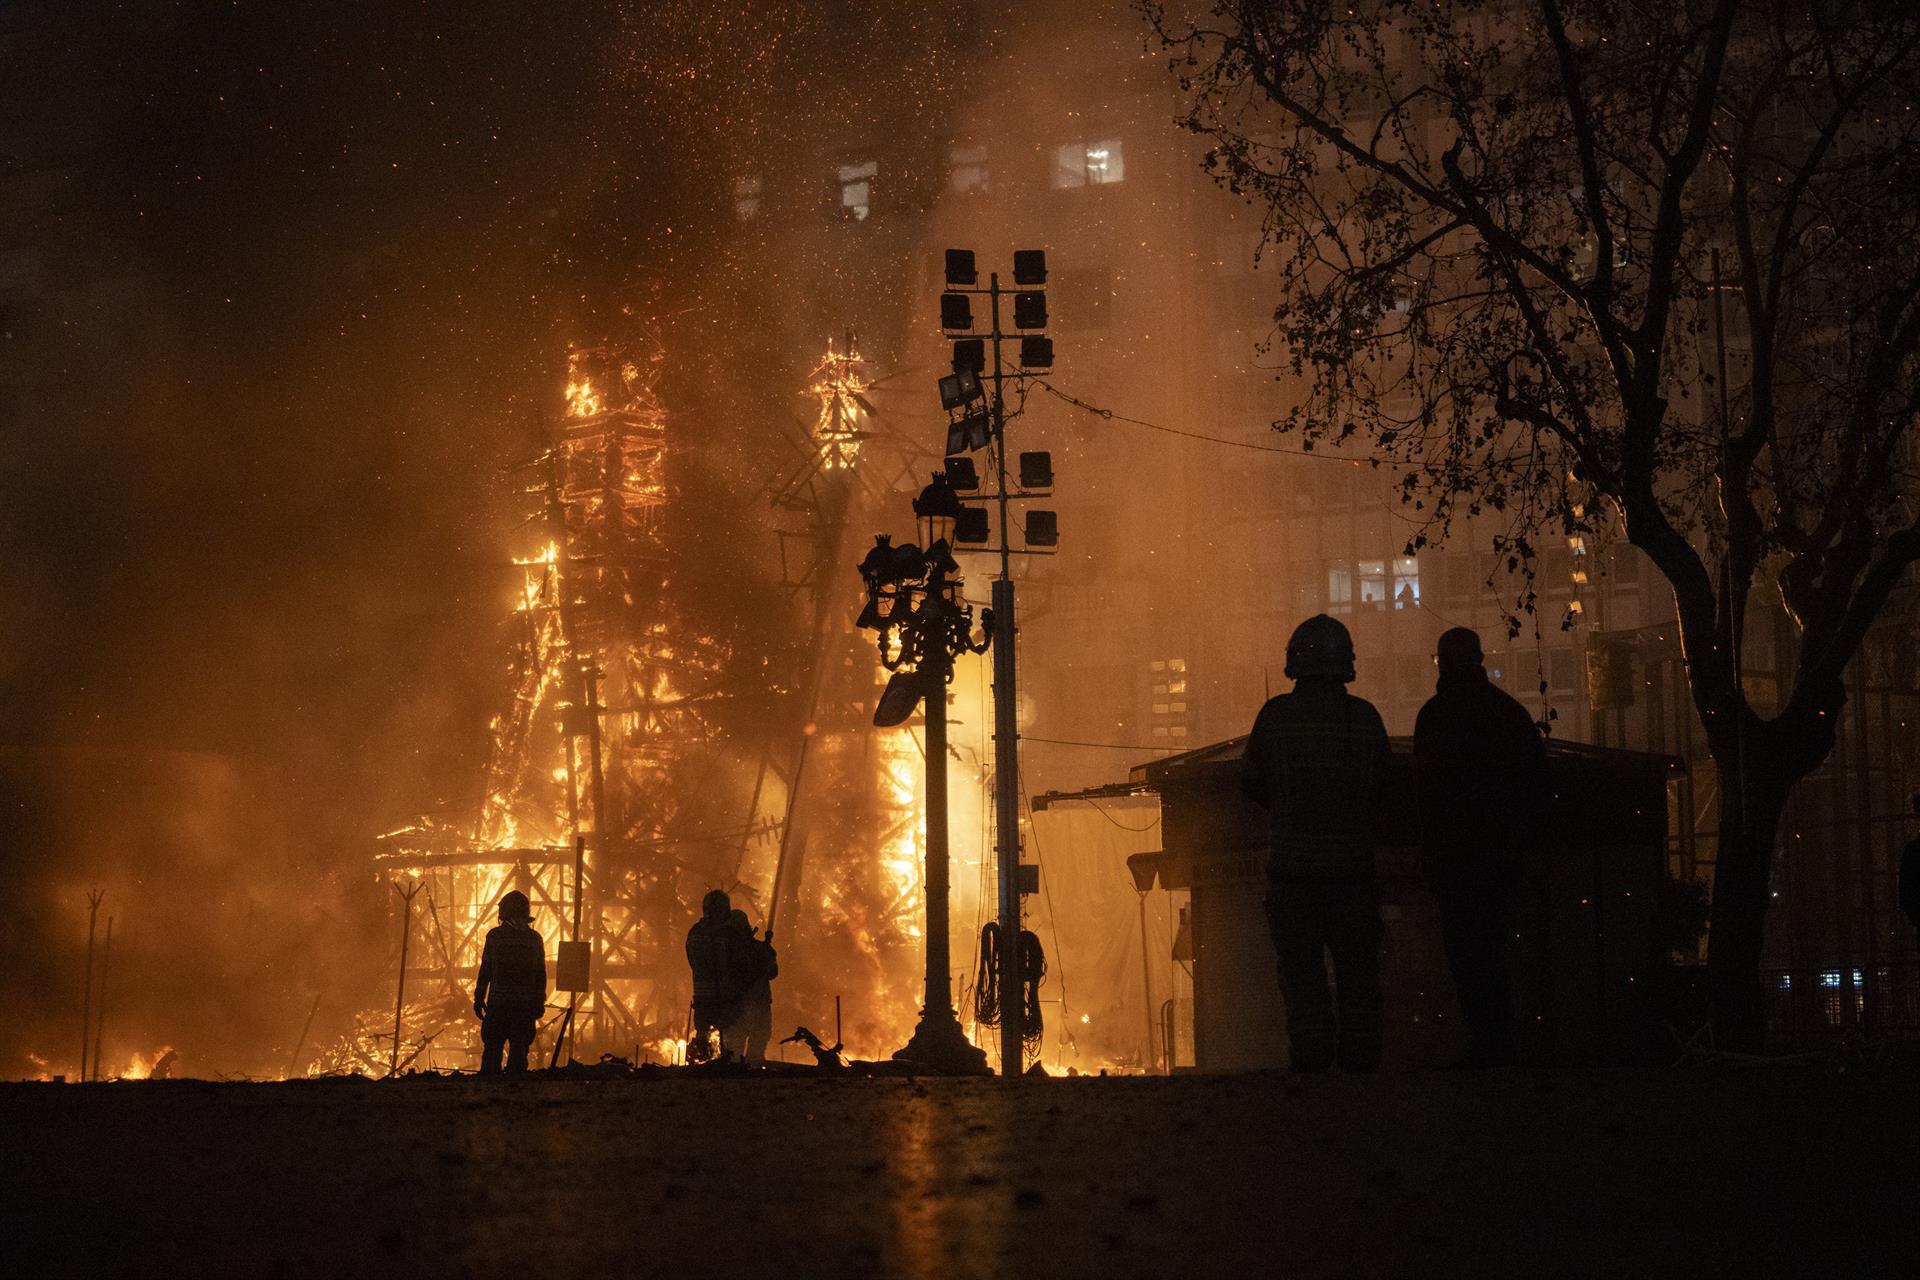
291,291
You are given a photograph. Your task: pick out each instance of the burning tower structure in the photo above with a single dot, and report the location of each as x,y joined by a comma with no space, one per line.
590,806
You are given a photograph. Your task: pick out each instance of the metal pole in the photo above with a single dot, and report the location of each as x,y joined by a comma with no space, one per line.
597,794
579,886
939,944
938,1040
1006,752
100,1023
86,999
1146,978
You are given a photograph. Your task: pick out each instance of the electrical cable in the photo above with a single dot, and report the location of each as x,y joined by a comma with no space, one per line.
990,982
1115,416
1033,970
986,979
1095,805
1109,746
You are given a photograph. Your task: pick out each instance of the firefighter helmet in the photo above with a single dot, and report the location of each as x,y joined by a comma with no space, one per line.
1320,647
716,904
514,906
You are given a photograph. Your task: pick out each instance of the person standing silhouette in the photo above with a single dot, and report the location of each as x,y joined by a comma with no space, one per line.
511,987
1482,770
1317,762
717,958
746,1037
1910,875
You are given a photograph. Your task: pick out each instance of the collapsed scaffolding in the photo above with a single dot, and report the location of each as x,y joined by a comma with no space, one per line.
585,808
609,726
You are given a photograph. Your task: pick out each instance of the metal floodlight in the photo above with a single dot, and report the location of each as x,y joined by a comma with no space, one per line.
956,311
956,437
1029,311
960,269
962,475
1036,470
899,699
1029,266
1036,353
1043,529
970,355
959,388
977,426
971,528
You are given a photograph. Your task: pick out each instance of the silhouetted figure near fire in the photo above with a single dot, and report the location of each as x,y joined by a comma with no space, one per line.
752,1026
1910,874
717,955
511,988
1317,762
1482,771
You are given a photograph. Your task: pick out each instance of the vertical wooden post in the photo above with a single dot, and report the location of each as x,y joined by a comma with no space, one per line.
293,1063
400,994
100,1022
86,999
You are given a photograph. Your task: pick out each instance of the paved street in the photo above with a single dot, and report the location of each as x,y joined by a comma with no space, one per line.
1709,1172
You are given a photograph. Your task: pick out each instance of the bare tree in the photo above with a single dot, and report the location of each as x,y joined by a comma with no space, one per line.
1630,267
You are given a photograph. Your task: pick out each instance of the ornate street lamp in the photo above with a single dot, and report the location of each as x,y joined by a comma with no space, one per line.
913,602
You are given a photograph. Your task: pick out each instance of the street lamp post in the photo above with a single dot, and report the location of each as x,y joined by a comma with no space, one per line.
913,601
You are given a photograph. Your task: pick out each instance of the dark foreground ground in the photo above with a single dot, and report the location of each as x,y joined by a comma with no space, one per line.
1705,1171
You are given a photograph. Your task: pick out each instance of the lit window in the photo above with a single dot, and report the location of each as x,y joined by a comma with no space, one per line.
746,196
856,189
1373,582
1406,582
1105,163
1339,590
1831,978
1089,164
967,169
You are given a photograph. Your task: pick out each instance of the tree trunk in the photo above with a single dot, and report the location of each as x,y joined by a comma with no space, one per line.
1753,794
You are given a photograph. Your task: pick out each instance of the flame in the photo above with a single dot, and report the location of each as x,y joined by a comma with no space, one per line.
140,1066
837,383
582,400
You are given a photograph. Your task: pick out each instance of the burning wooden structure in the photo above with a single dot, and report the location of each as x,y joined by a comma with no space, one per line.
609,712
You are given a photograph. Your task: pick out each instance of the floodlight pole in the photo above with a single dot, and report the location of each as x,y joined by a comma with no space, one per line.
1006,740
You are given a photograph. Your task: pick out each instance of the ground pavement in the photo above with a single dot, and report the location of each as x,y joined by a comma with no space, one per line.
1705,1171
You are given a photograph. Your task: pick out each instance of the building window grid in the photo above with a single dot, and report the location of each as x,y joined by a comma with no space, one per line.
856,189
1097,163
